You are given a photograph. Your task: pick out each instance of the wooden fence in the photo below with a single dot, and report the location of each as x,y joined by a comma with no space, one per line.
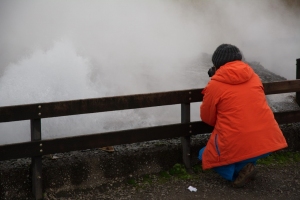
38,147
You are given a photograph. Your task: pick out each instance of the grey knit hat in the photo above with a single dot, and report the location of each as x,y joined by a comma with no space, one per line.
225,53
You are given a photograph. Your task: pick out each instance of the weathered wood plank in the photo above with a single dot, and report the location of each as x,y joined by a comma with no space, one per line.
19,150
282,87
287,117
60,145
200,127
75,107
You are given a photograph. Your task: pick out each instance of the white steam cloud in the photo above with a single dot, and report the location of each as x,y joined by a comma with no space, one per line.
61,50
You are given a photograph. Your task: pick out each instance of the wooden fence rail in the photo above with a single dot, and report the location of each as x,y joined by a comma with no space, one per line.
84,106
37,147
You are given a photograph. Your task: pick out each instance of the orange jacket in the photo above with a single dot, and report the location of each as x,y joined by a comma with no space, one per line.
235,104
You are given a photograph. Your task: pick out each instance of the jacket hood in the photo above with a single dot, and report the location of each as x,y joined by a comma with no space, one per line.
233,73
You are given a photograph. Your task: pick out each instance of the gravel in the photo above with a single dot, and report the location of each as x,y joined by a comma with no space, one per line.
272,182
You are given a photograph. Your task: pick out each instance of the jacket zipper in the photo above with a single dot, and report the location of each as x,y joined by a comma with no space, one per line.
217,146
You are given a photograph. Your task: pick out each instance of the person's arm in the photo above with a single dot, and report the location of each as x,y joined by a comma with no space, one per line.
208,108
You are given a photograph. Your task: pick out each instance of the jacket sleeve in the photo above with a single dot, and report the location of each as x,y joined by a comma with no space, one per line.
208,108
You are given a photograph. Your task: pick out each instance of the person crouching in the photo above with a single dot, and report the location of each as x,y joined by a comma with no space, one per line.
245,129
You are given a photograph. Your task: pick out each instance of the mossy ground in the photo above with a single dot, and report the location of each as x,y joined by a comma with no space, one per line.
178,171
281,157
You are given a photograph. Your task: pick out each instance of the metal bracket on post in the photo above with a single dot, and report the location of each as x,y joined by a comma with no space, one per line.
298,77
36,162
186,141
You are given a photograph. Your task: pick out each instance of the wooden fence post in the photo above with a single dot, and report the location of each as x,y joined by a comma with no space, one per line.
186,141
36,162
298,77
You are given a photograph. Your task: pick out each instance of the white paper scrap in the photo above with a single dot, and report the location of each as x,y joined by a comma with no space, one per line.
192,189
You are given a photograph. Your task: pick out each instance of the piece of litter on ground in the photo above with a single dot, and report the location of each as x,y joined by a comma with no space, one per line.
54,157
192,189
